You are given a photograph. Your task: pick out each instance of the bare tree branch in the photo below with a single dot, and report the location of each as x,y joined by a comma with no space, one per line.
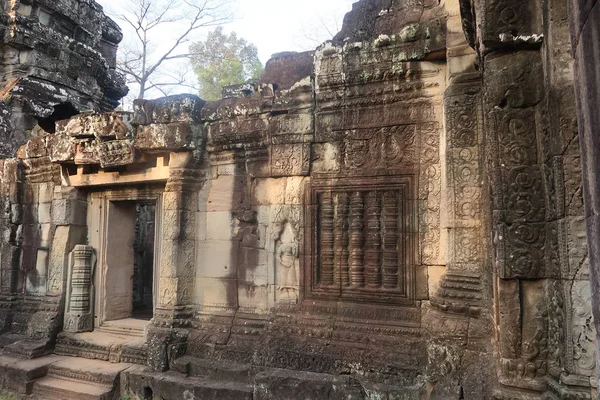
144,62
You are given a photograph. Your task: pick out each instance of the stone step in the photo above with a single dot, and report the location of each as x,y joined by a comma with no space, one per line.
129,327
18,375
144,383
214,369
77,378
104,346
83,369
28,349
10,338
117,330
49,388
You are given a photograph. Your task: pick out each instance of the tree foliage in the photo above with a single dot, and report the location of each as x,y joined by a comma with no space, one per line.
223,60
161,28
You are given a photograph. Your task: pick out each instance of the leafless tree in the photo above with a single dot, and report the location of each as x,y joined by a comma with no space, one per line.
318,31
161,28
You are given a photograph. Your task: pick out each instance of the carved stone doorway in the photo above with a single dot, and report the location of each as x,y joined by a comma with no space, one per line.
123,227
143,263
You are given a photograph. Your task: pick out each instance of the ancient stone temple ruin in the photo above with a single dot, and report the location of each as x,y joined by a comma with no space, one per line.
395,215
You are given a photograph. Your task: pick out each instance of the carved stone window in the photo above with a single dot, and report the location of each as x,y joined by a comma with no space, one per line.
361,240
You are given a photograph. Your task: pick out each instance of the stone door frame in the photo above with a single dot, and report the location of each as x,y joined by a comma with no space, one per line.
99,230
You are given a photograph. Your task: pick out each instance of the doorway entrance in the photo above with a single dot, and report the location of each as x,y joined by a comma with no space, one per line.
143,263
129,260
124,226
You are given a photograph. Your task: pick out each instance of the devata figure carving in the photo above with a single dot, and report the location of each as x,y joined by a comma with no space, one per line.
287,265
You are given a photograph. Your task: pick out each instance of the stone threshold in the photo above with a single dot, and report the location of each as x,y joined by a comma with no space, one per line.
102,345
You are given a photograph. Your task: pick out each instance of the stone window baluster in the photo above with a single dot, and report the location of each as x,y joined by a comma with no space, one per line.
390,240
78,317
342,268
357,240
327,240
373,240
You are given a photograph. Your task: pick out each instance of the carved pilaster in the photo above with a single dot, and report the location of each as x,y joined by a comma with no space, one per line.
177,244
79,316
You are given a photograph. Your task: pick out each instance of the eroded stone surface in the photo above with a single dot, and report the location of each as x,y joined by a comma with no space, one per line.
398,213
59,59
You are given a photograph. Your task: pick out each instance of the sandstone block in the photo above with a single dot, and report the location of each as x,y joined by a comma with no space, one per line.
269,191
219,225
171,136
217,259
283,384
178,108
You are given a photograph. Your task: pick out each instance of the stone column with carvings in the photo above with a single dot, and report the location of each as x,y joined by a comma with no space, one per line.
79,299
175,308
177,246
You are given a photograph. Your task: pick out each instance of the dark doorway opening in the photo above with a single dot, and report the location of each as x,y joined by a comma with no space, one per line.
143,266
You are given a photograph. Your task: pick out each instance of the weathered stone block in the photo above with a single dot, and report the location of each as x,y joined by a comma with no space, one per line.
269,191
107,126
61,148
508,24
219,225
170,136
217,258
282,384
178,108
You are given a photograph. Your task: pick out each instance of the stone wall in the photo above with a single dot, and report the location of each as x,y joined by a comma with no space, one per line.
585,21
58,59
408,212
542,311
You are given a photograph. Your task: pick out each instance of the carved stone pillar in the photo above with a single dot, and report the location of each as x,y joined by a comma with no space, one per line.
177,262
79,314
177,245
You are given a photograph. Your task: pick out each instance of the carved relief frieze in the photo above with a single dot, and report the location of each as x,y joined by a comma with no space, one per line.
116,152
238,132
382,149
558,325
290,159
334,125
507,20
528,364
520,230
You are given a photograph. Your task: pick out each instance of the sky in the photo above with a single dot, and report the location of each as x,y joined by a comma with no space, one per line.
272,25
